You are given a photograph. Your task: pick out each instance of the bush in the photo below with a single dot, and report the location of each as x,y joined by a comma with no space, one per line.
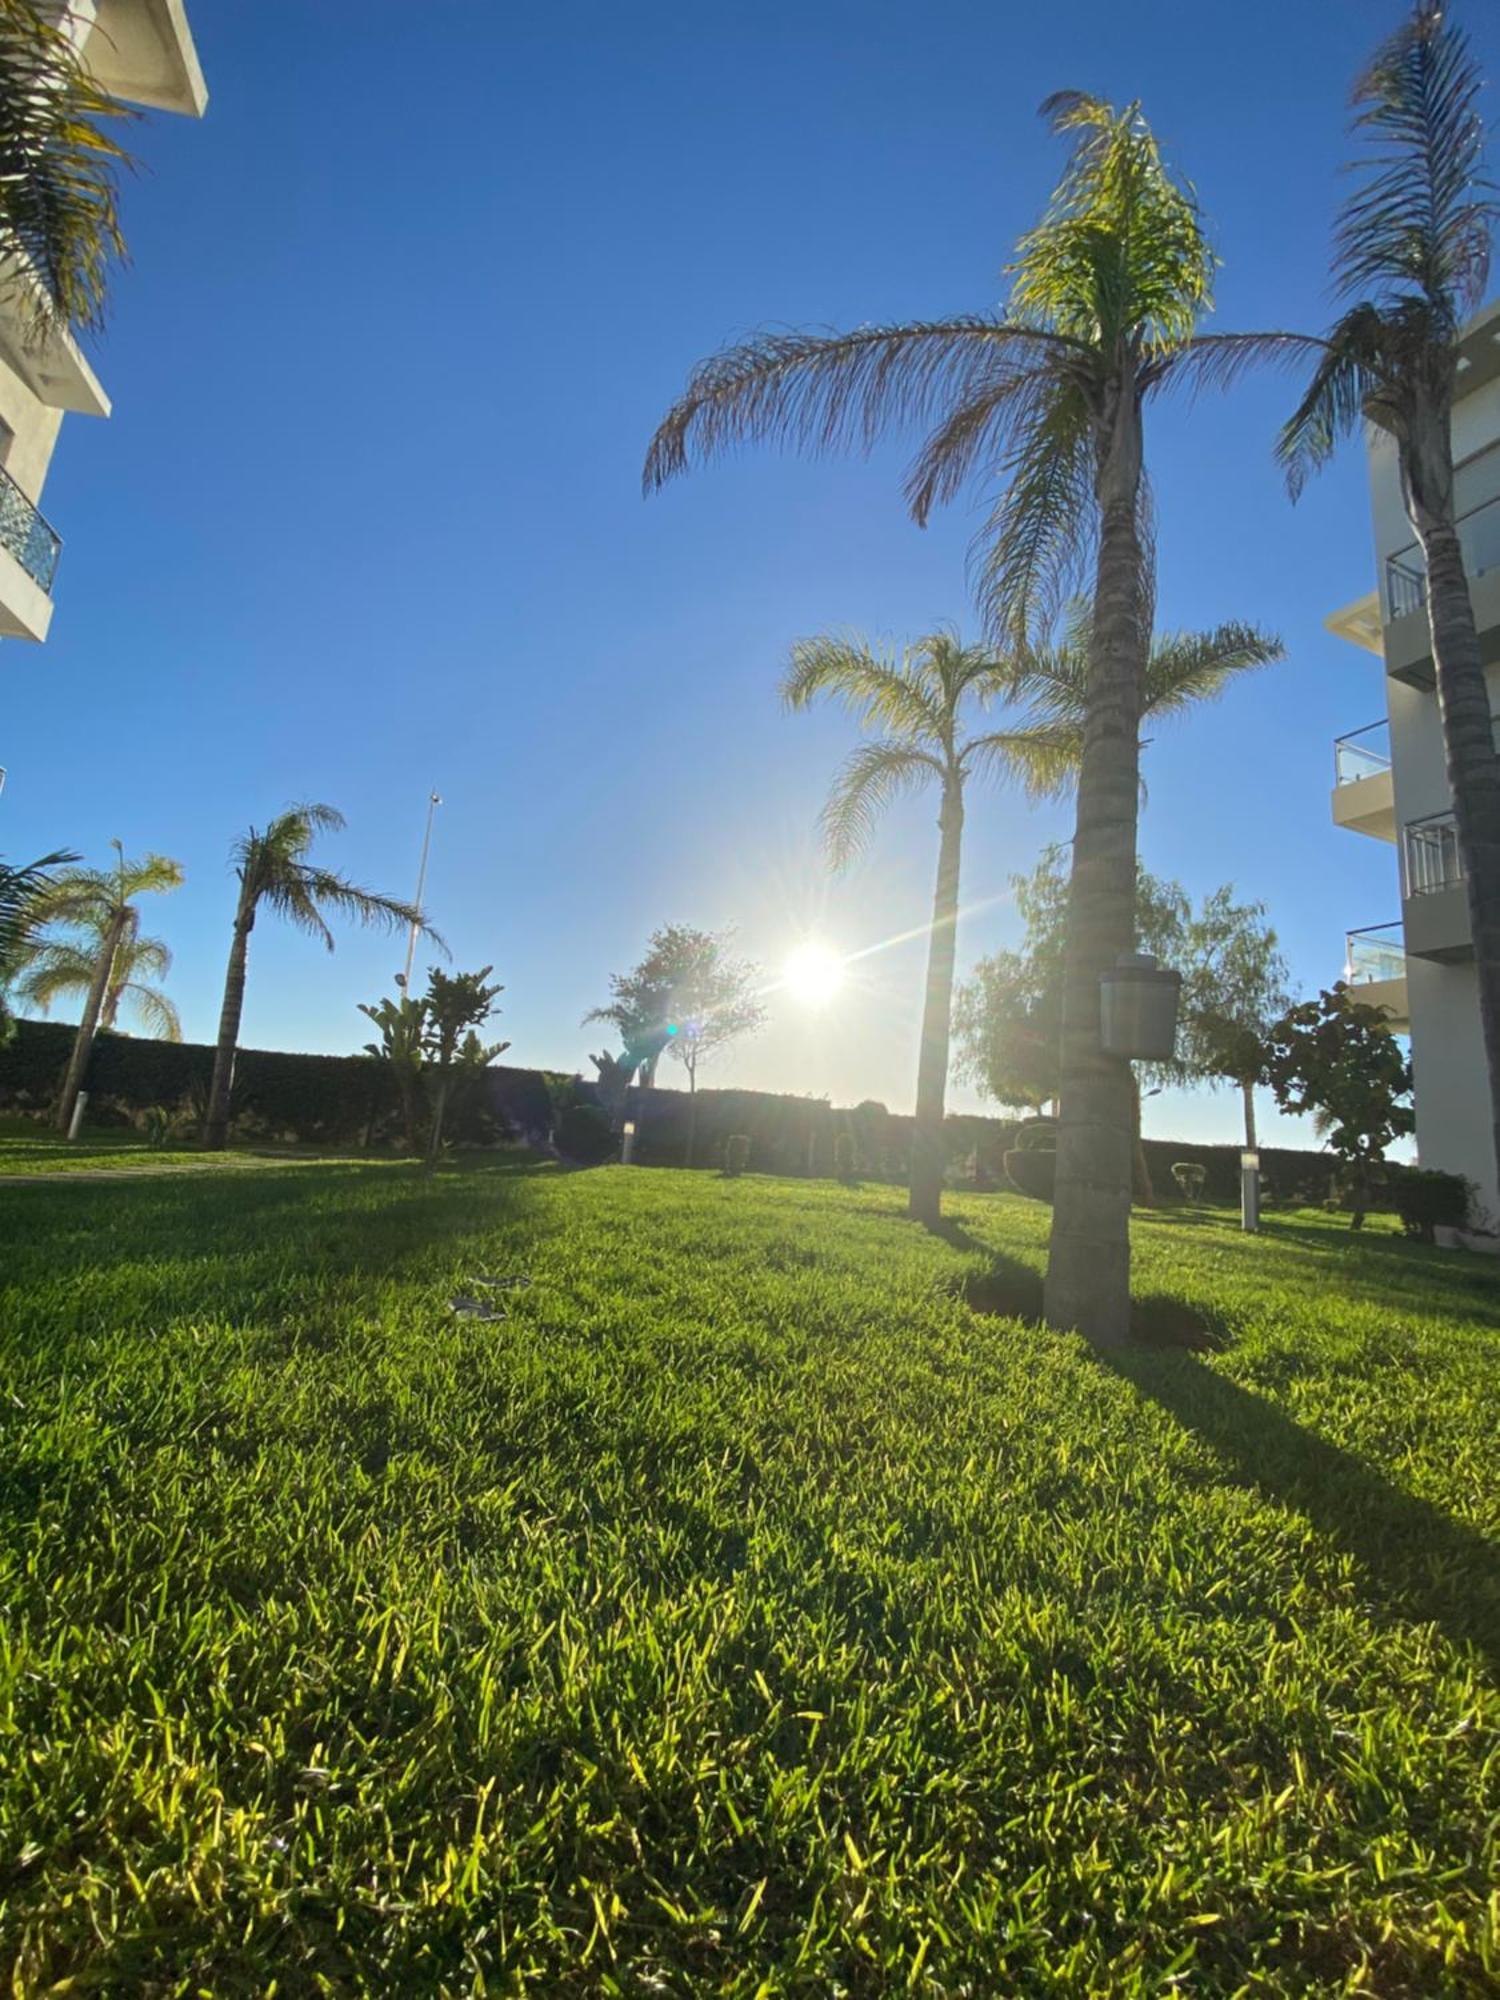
1032,1171
736,1154
582,1135
843,1156
1190,1176
1427,1200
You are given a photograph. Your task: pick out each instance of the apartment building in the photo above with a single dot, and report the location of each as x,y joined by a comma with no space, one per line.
142,52
1391,781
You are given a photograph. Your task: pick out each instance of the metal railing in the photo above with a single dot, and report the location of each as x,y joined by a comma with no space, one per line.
33,542
1430,854
1406,571
1363,753
1376,952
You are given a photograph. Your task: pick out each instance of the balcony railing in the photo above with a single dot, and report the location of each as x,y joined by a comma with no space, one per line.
1377,952
1406,571
30,539
1430,855
1363,753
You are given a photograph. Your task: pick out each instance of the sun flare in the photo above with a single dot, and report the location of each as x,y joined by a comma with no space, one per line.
813,973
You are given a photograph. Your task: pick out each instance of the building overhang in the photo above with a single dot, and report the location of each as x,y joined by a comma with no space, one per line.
1359,623
1389,995
1479,352
142,51
1436,925
1408,639
43,352
1367,805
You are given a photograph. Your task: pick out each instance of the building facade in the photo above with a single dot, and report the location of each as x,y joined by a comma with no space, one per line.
142,52
1391,781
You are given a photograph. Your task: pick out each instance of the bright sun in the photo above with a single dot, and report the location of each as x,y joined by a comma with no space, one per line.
813,973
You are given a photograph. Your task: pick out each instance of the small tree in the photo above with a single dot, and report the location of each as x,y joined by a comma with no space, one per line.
457,1004
20,890
401,1024
1337,1059
1235,989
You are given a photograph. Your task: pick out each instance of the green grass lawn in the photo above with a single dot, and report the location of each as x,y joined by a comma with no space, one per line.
744,1614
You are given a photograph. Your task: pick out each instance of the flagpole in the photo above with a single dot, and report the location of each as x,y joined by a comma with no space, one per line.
433,802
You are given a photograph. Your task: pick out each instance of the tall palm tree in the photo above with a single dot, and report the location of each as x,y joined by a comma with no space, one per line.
101,903
274,870
1047,398
1411,259
63,969
19,890
59,223
917,703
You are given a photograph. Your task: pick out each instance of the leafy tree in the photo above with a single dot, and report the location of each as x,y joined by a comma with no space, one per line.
1411,260
1045,401
20,890
275,872
62,968
1010,1011
59,167
688,996
457,1004
402,1023
1337,1059
100,902
1234,990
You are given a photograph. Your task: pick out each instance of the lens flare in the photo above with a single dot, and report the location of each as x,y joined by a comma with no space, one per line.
813,973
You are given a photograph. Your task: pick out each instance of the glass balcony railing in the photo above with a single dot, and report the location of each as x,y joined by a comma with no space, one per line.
1406,571
1430,856
29,538
1377,952
1363,753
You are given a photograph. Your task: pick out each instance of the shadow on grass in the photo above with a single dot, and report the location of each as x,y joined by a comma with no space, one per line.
1421,1564
1009,1289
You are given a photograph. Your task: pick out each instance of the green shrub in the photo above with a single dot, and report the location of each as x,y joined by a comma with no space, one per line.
582,1135
736,1154
1190,1176
1427,1200
843,1156
1032,1170
156,1124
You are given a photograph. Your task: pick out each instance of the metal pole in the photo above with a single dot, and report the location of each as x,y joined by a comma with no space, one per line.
433,802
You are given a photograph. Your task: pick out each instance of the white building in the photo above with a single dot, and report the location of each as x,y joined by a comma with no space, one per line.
1391,781
142,52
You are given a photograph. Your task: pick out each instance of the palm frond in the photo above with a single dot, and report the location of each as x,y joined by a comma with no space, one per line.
822,392
54,971
1218,360
153,1010
1188,667
1424,213
59,166
1335,400
882,690
286,892
978,432
1042,757
1039,538
365,906
874,775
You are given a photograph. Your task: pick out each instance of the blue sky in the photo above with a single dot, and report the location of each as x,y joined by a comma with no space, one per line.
403,312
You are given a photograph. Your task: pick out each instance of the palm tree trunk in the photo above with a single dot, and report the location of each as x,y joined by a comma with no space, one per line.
439,1109
88,1026
1473,769
1088,1268
216,1122
1249,1094
926,1197
692,1131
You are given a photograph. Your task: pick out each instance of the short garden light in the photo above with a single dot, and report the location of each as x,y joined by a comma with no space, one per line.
1250,1192
627,1151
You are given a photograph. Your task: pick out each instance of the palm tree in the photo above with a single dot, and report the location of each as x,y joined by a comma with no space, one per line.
99,902
59,225
917,704
20,889
63,969
1411,259
1048,398
274,870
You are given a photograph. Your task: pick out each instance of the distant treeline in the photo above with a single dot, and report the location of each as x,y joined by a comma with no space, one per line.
350,1101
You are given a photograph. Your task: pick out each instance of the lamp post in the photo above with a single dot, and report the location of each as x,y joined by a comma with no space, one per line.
1250,1192
433,802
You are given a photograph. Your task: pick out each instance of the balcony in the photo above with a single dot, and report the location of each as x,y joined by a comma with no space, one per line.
1375,968
29,549
1435,902
1364,797
1408,641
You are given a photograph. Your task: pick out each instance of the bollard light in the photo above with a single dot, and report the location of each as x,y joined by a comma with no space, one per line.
627,1151
1250,1192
